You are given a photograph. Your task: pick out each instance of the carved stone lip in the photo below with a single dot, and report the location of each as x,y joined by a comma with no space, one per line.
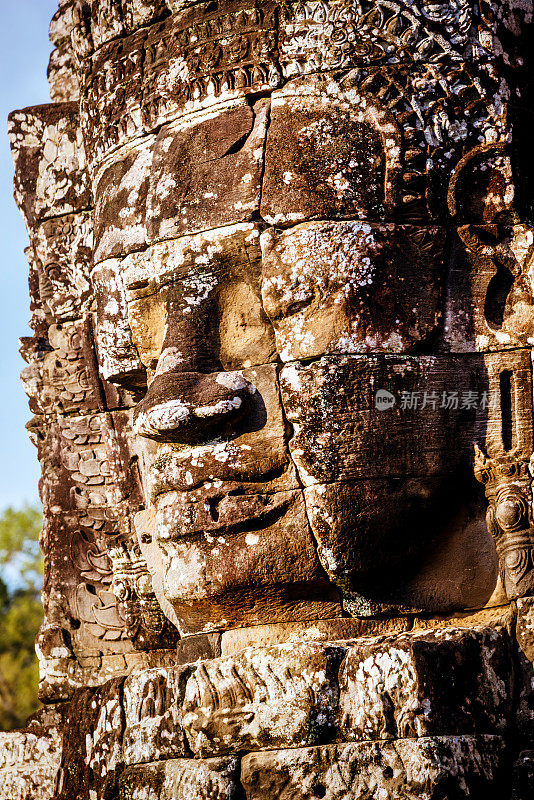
216,468
236,514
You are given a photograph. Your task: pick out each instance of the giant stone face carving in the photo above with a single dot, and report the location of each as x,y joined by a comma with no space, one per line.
285,266
277,215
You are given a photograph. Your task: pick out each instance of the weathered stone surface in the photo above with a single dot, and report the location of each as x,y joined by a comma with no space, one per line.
489,290
210,583
454,767
413,456
195,147
396,688
153,710
234,504
186,194
62,673
263,698
62,77
183,779
61,24
63,249
192,649
523,775
99,21
91,760
375,33
153,181
509,519
321,630
332,399
351,287
525,626
29,762
206,289
207,63
282,307
190,61
354,148
122,184
59,375
119,360
524,716
357,526
498,616
524,712
50,170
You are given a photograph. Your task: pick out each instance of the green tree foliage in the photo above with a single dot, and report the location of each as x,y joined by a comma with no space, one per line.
21,613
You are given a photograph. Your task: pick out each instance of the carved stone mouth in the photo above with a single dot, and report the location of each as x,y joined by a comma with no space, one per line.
179,518
218,468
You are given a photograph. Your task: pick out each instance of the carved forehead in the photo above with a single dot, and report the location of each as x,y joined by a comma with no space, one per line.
408,73
316,148
239,47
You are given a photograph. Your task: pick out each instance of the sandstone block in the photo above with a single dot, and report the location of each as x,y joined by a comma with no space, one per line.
153,709
320,630
61,24
62,77
111,106
524,714
454,767
63,249
263,698
183,779
489,290
349,149
525,626
29,762
362,540
59,375
341,433
444,682
119,361
493,616
454,32
91,760
352,287
207,174
106,20
50,170
210,281
122,184
198,648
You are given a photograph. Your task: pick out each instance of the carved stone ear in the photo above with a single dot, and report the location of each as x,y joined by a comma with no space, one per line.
481,190
480,199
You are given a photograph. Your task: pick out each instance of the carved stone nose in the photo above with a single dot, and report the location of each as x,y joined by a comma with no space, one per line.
188,406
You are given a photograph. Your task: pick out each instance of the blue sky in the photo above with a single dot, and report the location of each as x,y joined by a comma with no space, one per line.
24,53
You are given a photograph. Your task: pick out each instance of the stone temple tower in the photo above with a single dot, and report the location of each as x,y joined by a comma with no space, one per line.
282,294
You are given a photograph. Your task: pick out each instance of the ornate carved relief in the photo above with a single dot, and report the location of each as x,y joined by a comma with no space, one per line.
508,485
258,385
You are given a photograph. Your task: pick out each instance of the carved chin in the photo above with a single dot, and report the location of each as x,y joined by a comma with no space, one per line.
259,570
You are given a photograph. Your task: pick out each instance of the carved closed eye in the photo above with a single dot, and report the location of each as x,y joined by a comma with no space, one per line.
137,283
284,300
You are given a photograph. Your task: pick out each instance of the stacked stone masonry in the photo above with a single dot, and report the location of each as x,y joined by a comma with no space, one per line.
281,272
